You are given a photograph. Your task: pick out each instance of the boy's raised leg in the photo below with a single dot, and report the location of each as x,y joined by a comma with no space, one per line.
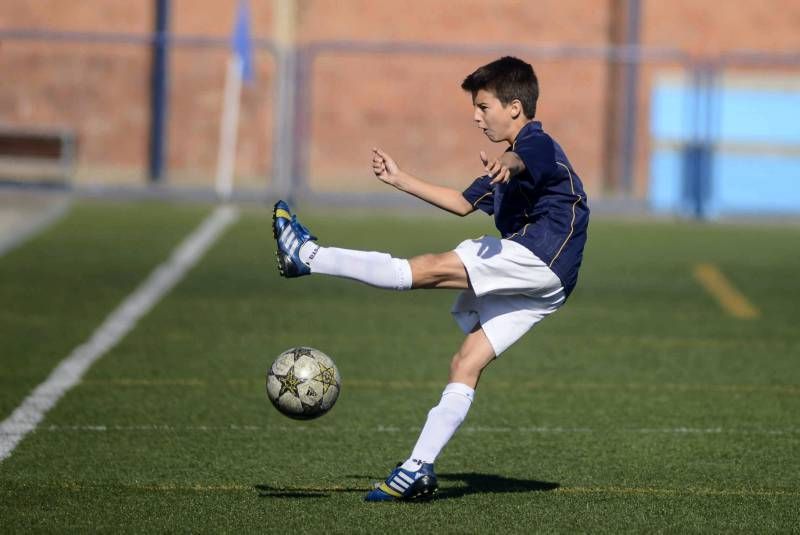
299,254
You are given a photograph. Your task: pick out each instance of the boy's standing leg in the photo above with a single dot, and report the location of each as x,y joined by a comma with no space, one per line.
415,478
298,254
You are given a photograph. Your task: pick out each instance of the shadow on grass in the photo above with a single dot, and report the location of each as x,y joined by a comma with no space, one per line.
473,484
490,484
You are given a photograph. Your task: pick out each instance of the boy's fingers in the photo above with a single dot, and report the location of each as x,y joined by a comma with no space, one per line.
503,176
484,158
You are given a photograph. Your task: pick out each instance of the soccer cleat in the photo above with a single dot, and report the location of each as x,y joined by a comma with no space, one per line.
405,485
290,235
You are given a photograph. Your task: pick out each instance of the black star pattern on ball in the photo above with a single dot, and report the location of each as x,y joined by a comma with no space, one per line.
326,376
302,352
289,383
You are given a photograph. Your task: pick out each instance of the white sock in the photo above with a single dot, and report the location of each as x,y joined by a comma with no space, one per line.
442,422
375,269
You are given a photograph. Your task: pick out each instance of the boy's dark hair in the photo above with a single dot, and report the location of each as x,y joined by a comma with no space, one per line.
508,78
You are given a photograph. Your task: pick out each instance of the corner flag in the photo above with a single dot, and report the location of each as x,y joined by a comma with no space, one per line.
242,41
240,69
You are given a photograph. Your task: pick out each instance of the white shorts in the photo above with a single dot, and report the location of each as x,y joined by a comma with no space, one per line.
511,290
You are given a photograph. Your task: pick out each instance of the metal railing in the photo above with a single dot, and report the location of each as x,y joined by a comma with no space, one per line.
291,161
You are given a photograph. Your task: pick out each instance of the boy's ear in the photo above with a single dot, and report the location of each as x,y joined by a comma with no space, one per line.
516,108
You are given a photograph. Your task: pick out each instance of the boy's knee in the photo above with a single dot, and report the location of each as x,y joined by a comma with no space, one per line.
463,367
443,270
423,263
426,269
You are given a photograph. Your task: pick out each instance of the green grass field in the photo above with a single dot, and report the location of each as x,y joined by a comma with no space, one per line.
642,405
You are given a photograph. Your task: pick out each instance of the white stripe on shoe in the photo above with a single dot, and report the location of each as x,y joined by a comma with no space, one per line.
395,486
289,241
404,476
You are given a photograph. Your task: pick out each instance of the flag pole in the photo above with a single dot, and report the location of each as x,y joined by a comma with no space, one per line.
284,129
239,69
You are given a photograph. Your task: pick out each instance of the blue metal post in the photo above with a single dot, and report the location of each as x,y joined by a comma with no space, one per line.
159,85
698,153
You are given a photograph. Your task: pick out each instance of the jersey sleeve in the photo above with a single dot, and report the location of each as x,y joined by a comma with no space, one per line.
480,194
538,155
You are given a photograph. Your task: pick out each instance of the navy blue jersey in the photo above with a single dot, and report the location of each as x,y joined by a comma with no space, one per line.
544,208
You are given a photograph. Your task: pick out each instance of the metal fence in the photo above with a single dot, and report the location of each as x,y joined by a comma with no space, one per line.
696,136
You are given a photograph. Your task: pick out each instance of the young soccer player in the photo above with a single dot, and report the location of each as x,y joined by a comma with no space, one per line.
508,284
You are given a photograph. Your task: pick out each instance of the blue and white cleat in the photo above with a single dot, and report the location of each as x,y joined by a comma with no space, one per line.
405,485
290,235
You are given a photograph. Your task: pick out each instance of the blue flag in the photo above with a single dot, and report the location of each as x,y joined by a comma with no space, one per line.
242,41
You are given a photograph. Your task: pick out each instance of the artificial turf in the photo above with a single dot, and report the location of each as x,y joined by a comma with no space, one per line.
642,405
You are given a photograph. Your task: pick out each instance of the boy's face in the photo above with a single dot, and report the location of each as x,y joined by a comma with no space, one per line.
497,121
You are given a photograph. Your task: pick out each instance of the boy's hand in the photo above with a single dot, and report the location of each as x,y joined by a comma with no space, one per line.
384,166
495,169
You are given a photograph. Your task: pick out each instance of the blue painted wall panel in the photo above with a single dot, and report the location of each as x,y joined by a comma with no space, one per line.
756,184
665,181
762,116
756,167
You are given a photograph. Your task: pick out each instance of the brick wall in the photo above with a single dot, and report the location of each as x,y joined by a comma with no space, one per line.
410,104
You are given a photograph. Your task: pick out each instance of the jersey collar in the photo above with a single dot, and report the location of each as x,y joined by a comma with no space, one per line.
528,129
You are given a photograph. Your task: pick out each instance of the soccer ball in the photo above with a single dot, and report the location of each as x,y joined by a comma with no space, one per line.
303,383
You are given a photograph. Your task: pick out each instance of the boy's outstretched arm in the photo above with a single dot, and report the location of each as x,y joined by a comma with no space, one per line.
387,170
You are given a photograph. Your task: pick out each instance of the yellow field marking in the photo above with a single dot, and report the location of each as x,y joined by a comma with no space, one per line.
729,298
146,382
236,487
678,492
197,487
788,389
299,428
668,387
164,487
546,386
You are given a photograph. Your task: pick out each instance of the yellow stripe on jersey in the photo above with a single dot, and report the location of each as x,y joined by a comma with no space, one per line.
572,223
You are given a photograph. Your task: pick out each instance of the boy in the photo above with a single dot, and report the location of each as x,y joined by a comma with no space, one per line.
508,284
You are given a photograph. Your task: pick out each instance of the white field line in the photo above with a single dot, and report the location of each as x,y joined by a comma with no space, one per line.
34,227
116,326
155,428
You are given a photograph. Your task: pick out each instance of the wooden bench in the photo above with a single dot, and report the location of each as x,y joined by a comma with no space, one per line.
37,156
